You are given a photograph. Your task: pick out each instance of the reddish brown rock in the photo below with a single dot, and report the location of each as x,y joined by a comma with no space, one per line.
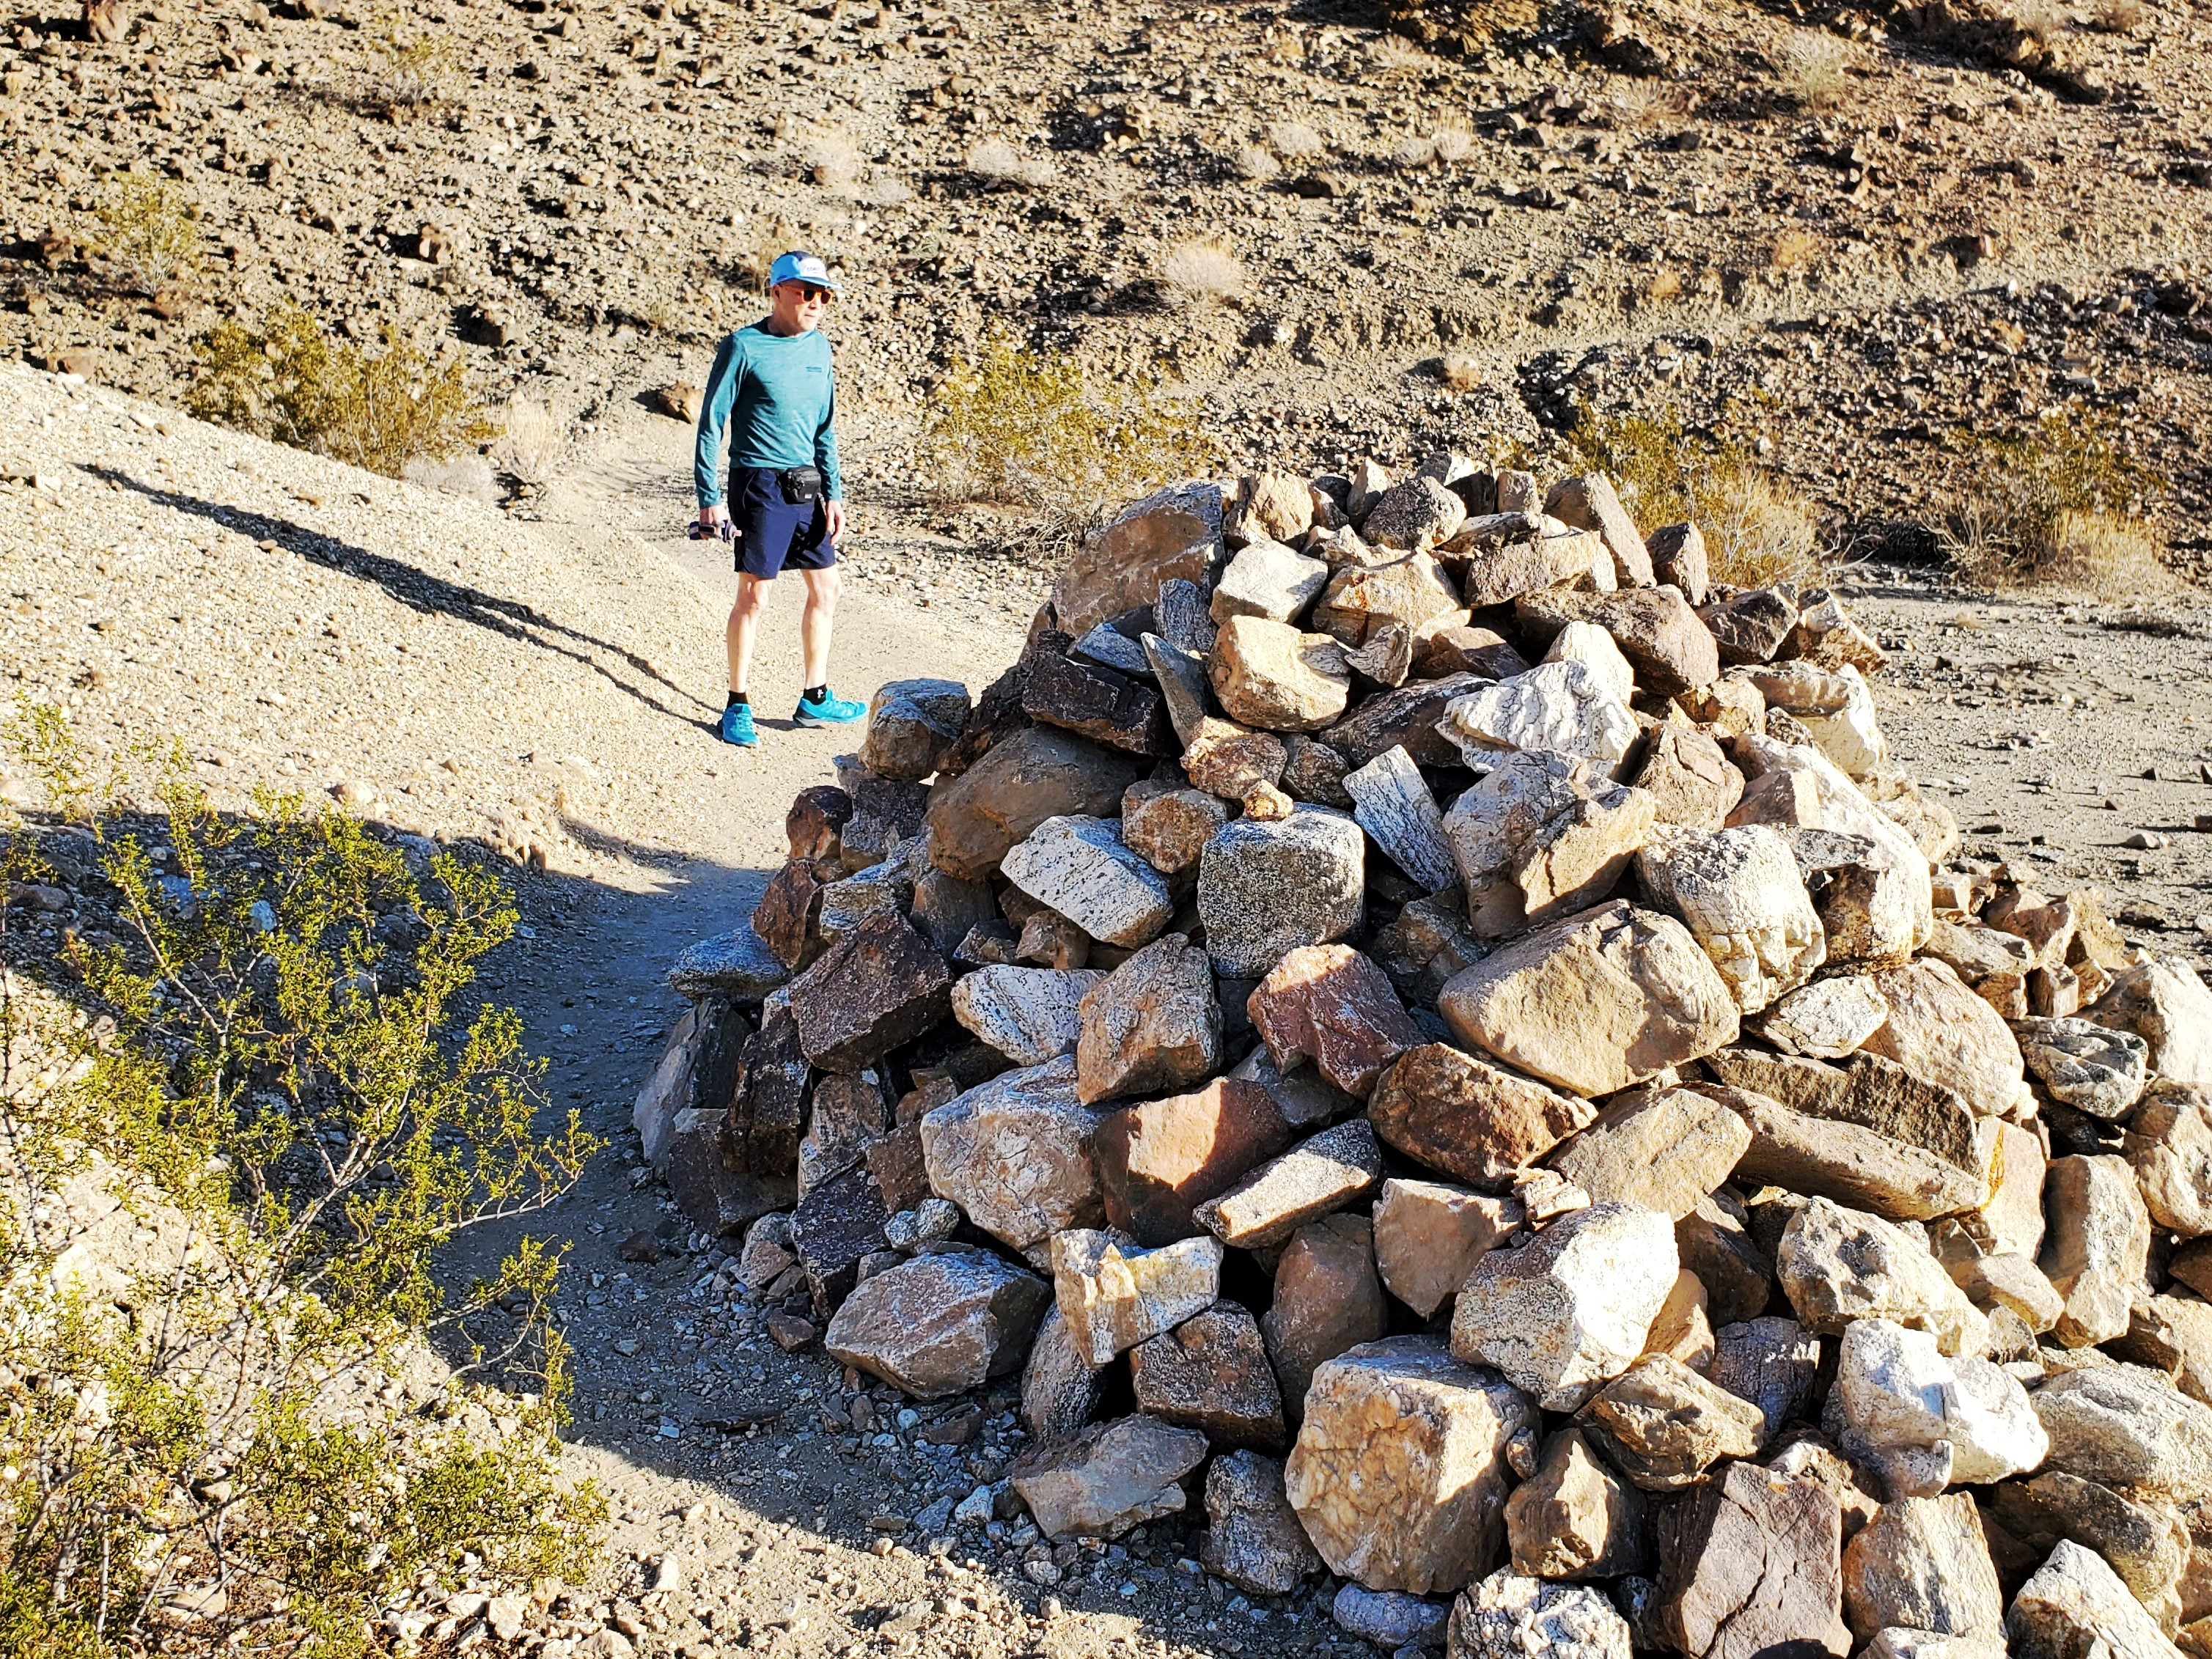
881,985
1329,1003
768,1093
1469,1118
1211,1373
1167,827
1460,649
1030,776
818,815
1407,716
1096,703
1327,1301
1428,1236
1158,1160
1752,1565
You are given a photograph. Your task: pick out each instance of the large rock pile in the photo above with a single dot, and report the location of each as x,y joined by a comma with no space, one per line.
1453,1018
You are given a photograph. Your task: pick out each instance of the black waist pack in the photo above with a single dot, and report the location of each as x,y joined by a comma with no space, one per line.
801,484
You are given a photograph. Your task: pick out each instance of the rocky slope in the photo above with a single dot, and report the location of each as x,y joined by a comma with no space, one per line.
1857,227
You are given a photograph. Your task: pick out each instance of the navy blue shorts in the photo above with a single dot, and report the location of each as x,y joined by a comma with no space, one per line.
773,532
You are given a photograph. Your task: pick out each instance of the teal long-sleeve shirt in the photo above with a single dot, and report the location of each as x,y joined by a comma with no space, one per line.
774,394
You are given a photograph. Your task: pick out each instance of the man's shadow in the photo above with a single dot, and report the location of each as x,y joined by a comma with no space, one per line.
432,595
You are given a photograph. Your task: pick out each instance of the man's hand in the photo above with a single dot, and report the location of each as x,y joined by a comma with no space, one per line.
712,517
833,521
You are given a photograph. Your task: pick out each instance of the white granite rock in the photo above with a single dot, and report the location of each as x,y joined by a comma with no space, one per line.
1392,803
1028,1014
1015,1154
1826,1019
1081,867
1739,893
1113,1295
1562,706
1897,1392
1508,1616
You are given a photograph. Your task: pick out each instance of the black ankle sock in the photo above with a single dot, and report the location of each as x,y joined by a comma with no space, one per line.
737,698
815,693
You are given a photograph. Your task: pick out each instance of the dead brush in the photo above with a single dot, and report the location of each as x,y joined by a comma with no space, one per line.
1001,167
150,234
2050,509
530,441
418,70
290,382
1811,71
1202,271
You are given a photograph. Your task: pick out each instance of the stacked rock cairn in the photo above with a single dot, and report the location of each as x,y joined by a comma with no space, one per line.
1453,1017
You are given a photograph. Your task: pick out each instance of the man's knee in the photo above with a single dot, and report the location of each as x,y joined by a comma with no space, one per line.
752,595
822,588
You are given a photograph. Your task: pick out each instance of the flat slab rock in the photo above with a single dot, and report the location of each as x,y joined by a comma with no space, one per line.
939,1324
1111,1477
1081,867
1320,1175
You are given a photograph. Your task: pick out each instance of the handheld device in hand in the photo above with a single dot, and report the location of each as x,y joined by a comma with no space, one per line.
723,532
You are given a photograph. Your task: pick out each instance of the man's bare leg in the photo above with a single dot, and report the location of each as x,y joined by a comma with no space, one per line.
743,623
814,623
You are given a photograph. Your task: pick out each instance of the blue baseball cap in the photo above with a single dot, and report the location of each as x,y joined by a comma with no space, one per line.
799,267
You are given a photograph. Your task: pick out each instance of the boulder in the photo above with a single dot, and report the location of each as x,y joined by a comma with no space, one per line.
1328,1300
2142,1543
1428,1236
817,819
911,724
1080,866
1266,889
848,1113
2169,1146
1714,1241
1113,1295
2126,1428
939,1324
1412,516
1502,572
1268,507
1111,1477
1320,1175
1569,1311
1167,827
737,965
1467,1118
1749,626
880,986
1159,1159
946,909
1029,776
1657,1149
1180,673
1587,502
1923,1419
1510,1616
1092,701
1211,1373
1392,802
1679,560
1837,1266
2091,1067
1172,534
1690,778
1827,1019
1838,1159
1750,1564
1575,1518
1313,772
1587,643
1739,893
1542,835
1446,647
1400,1471
2164,1003
1671,650
2076,1605
1770,1361
1306,1099
1867,894
1017,1155
768,1092
1028,1014
1360,606
1332,1005
1150,1024
1560,706
2096,1246
1923,1564
1269,675
1407,717
1663,1426
1254,1539
1268,580
1060,1387
835,1225
1596,1002
1942,1032
786,919
1871,1092
1832,704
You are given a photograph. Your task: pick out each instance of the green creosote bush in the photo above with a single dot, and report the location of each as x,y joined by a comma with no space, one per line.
1013,425
2049,507
149,232
1759,529
258,1066
418,67
289,381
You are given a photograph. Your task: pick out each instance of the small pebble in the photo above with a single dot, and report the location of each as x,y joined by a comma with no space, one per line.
2145,840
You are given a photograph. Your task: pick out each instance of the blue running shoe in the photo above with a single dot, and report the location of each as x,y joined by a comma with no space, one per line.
737,725
832,710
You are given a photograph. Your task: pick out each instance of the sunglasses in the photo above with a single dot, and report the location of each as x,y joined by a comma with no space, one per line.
812,295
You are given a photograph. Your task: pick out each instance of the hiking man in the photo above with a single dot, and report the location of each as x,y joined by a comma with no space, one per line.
770,386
